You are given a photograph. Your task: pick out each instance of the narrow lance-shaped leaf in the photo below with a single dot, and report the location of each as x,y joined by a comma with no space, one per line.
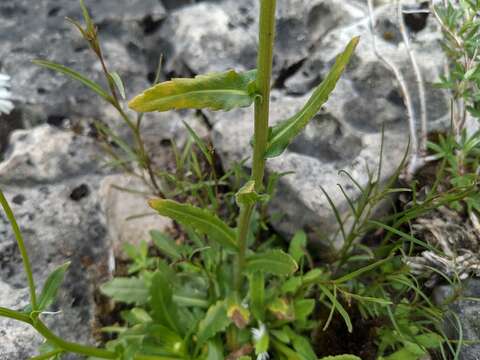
216,91
201,220
282,134
117,80
51,287
76,76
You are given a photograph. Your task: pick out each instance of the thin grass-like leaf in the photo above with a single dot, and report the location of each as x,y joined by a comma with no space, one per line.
200,143
361,271
339,307
338,217
76,76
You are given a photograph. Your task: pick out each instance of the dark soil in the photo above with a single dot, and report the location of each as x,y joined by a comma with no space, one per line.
336,340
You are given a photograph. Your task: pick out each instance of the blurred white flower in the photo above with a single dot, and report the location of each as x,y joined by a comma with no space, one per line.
260,332
261,340
263,356
6,105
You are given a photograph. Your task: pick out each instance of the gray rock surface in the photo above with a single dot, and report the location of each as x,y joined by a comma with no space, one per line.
465,312
129,219
346,134
18,340
51,179
33,30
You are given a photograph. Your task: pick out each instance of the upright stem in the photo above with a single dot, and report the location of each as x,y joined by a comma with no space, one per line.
22,248
262,109
262,103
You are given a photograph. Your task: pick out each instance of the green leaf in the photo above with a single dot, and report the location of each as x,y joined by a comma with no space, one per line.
201,220
216,91
51,287
201,144
274,262
303,308
164,309
165,244
215,350
76,76
131,290
140,315
257,295
162,340
301,345
336,305
87,18
117,80
215,321
282,134
341,357
361,271
298,245
248,196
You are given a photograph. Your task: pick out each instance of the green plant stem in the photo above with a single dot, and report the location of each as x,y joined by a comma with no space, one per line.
264,75
262,109
22,248
145,161
67,346
243,226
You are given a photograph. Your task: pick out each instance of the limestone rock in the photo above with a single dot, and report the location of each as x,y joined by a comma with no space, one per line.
346,134
467,315
129,218
53,193
38,30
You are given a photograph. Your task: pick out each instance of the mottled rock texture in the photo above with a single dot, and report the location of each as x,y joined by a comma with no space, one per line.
51,179
52,176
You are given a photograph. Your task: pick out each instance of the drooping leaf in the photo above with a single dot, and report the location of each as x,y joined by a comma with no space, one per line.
274,262
51,287
336,305
215,320
164,309
76,76
131,290
216,91
282,134
201,220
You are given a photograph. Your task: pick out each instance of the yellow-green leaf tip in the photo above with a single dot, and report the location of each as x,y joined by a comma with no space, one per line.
155,203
